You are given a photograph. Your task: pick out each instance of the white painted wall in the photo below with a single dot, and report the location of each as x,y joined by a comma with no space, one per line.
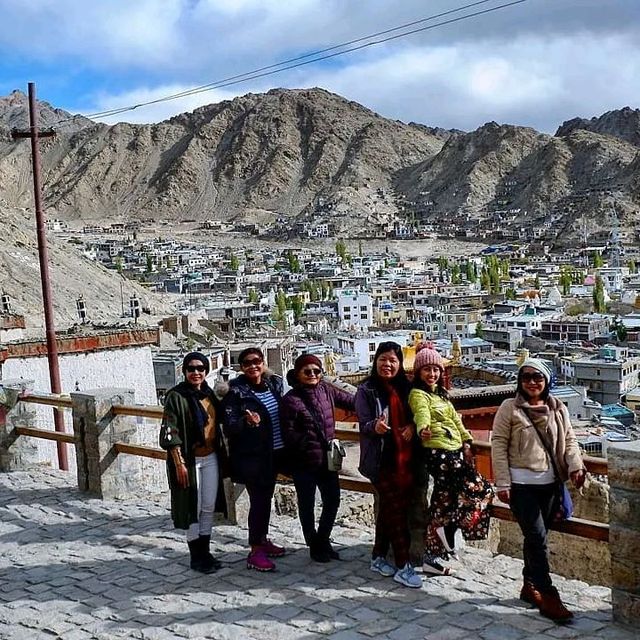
129,367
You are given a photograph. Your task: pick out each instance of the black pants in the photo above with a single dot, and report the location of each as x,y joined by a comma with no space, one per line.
260,496
306,483
532,505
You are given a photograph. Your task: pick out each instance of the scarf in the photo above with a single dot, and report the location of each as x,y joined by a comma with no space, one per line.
403,449
198,413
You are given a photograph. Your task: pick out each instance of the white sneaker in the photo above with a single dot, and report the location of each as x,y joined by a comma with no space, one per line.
408,577
432,565
383,567
451,552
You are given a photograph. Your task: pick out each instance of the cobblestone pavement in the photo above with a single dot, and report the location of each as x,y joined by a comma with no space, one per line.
78,568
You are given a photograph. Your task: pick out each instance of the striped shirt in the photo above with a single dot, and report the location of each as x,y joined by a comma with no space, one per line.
271,405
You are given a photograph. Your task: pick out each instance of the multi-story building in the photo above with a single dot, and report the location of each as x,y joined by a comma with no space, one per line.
607,376
355,309
364,346
583,328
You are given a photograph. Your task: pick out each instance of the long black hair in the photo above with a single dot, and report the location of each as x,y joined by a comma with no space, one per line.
400,381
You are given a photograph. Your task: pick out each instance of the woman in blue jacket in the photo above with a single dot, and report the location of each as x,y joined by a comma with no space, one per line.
256,449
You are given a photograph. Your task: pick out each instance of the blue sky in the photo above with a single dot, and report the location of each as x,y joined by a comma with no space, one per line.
537,63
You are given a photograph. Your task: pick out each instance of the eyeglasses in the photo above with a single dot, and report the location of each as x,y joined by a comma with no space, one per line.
199,368
312,372
253,362
532,377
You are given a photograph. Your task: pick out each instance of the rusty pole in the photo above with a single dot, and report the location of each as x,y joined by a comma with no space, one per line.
52,347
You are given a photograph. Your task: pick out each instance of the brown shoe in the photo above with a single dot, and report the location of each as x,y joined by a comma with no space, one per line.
552,607
530,594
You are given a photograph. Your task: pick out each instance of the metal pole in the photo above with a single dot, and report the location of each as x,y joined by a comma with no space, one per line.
52,347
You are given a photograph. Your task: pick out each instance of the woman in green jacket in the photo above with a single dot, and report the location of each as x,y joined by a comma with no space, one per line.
191,436
446,447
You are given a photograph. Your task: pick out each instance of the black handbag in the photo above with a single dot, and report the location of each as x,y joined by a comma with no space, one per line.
563,504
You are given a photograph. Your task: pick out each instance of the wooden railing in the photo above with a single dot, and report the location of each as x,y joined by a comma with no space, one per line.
347,432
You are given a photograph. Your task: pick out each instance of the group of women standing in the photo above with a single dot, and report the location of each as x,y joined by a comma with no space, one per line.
408,430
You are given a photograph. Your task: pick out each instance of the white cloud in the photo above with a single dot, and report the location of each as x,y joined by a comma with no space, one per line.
537,63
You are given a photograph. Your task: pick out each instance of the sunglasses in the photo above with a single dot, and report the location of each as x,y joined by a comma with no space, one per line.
199,368
532,377
312,372
252,362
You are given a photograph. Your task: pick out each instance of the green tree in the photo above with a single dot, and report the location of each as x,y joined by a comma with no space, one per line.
565,281
455,274
621,332
632,265
360,248
510,294
298,307
536,283
294,263
234,263
479,329
254,298
149,267
281,305
119,265
470,271
599,305
597,260
341,249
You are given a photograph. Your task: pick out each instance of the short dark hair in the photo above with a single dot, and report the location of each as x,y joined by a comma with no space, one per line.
247,352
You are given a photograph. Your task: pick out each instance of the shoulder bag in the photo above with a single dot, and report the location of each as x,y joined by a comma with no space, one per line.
563,504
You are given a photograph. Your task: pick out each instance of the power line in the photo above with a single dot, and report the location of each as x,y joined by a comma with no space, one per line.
316,56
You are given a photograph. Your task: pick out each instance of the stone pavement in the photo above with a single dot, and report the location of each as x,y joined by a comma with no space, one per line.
78,568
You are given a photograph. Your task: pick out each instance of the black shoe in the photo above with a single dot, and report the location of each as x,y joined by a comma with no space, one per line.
198,562
207,560
331,552
319,554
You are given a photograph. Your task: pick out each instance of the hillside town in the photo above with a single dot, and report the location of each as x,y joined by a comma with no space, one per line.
578,309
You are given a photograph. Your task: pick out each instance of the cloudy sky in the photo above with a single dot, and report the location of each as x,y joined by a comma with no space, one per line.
536,63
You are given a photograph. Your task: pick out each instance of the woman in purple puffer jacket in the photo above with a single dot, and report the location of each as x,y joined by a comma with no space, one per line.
308,425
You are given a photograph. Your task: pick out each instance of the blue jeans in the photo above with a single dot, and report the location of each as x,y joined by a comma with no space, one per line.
532,506
306,483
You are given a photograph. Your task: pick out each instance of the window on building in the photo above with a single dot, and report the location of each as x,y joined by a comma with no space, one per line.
363,308
372,346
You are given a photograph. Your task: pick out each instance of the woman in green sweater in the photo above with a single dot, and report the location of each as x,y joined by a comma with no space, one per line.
446,447
190,434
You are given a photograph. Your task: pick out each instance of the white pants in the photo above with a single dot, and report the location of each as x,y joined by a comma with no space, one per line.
207,479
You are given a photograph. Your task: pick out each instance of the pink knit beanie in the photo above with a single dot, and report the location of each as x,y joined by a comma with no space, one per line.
426,354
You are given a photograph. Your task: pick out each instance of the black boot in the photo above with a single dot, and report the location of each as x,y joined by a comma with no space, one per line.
318,550
207,560
325,544
194,553
197,561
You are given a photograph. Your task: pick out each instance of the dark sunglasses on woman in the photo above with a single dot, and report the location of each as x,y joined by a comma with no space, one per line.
199,368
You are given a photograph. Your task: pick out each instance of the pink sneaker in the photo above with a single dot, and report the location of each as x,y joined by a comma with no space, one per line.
259,561
273,550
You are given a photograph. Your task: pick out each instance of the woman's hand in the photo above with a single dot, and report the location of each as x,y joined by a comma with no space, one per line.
182,475
252,418
424,433
407,432
504,495
467,454
578,478
381,427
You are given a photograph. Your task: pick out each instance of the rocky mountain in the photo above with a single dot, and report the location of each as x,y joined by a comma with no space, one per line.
622,123
310,154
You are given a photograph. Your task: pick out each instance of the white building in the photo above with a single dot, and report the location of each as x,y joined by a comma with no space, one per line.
364,347
355,309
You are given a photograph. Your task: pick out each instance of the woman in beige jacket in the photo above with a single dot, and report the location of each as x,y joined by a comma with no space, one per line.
525,477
